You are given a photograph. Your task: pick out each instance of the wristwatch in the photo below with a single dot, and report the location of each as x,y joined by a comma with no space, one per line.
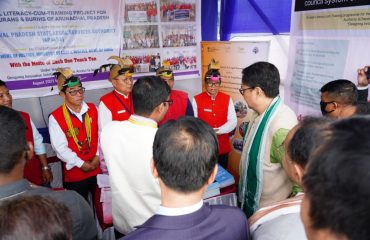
45,168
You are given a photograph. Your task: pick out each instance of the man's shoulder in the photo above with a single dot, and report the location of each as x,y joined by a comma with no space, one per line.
284,118
107,97
229,213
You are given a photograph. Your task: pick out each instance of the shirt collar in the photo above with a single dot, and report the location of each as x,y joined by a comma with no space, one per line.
124,95
84,109
179,211
140,120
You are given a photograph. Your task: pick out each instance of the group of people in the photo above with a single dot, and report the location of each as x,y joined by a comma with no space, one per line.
161,151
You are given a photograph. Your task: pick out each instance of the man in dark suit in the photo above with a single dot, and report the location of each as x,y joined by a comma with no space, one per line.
185,154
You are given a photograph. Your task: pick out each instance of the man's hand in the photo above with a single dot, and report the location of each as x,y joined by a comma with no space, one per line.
87,167
95,161
47,176
362,80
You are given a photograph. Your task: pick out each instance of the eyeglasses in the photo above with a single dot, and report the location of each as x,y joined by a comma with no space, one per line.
242,90
169,101
127,80
74,92
212,84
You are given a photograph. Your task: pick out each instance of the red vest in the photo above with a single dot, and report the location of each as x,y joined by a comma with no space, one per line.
178,108
214,112
76,174
120,107
32,170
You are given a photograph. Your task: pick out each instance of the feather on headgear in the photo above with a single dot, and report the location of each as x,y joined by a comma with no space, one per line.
124,67
165,71
65,78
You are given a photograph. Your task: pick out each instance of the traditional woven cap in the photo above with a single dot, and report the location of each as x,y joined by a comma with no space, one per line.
165,71
124,67
62,74
213,74
215,65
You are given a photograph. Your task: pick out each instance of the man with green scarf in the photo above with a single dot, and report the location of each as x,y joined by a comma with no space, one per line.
262,177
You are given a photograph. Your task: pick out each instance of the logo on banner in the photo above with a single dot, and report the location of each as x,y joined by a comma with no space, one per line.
63,2
29,3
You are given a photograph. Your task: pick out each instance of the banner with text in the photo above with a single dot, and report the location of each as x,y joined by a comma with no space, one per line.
38,36
329,40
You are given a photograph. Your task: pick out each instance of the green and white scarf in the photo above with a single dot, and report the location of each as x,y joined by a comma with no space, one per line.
251,179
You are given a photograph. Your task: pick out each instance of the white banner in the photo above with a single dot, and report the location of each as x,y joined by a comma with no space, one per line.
329,41
39,36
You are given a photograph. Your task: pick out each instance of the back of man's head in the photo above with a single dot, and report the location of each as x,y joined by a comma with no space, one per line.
147,93
264,75
307,138
185,154
12,139
35,218
342,91
337,182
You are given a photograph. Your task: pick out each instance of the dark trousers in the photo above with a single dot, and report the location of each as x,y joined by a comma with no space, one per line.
83,187
223,160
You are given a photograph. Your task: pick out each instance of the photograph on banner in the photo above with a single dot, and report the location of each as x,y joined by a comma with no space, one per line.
179,35
37,38
327,43
140,36
178,10
145,61
233,57
181,58
140,11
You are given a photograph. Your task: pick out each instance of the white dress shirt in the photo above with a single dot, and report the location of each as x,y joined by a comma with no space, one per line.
165,211
39,146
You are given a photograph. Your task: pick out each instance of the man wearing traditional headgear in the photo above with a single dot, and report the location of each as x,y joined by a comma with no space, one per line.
36,170
181,105
73,129
117,105
217,109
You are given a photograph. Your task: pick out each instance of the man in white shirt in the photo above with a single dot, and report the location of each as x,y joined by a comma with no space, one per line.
127,149
185,154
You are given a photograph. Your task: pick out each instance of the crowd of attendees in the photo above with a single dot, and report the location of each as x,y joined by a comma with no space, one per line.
306,179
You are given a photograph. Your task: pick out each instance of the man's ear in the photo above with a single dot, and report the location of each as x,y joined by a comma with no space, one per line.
29,151
211,178
299,172
153,169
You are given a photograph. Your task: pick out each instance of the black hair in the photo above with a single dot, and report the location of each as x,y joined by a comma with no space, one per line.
342,90
35,218
264,75
362,108
337,181
2,83
185,153
12,138
307,138
147,93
